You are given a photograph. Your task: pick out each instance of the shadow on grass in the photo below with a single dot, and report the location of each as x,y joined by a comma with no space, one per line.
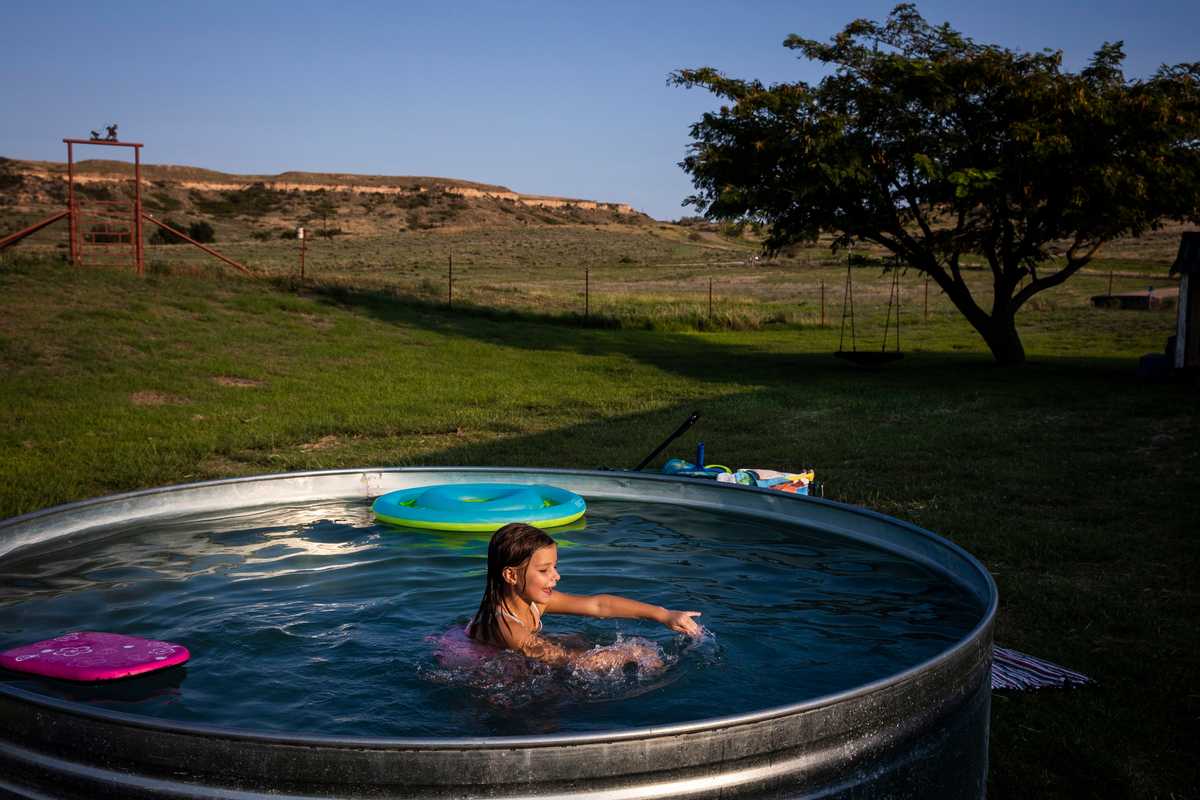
704,358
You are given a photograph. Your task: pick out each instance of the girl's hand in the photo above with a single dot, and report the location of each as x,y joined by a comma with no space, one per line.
682,622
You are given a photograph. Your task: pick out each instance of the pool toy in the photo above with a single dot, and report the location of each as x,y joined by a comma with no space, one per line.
455,650
90,656
479,506
686,469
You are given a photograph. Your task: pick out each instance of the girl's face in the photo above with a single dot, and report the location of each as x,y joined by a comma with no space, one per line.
540,576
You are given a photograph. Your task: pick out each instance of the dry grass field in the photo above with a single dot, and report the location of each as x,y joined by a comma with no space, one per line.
414,239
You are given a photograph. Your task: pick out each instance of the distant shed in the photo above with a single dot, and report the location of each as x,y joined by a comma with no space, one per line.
1187,331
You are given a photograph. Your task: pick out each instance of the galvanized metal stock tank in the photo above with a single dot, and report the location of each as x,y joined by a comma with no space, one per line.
919,733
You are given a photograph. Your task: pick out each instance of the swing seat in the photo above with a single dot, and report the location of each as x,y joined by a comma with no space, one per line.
870,358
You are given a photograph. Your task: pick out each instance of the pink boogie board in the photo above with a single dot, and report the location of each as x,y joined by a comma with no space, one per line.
454,649
91,656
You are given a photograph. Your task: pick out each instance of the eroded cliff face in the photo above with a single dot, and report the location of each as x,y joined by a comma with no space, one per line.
37,183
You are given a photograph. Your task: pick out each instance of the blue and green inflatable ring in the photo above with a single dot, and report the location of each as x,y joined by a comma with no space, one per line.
479,506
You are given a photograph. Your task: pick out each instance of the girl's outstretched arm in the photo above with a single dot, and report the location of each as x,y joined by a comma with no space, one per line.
603,658
545,650
604,606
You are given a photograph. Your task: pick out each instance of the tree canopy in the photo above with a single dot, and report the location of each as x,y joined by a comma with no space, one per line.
936,147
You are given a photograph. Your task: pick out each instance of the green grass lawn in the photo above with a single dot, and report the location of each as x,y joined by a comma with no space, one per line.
1071,480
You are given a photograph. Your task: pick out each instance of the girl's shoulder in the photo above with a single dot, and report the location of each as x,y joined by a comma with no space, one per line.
513,630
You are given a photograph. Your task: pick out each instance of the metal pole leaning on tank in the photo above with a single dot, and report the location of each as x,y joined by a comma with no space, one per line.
687,423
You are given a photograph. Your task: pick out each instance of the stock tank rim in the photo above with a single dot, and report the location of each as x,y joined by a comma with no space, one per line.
692,486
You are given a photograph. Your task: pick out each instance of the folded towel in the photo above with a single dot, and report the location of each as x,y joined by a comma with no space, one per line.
1018,671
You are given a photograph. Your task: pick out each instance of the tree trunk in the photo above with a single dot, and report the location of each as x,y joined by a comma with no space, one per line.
1000,333
999,329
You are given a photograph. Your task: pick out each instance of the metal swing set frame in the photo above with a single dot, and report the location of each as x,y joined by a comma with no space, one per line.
868,358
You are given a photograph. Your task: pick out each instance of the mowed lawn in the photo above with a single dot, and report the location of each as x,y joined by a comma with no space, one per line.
1074,482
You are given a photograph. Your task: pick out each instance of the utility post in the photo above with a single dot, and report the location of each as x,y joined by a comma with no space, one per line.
303,245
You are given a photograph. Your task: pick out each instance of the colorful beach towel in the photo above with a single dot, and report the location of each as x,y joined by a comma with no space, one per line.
792,482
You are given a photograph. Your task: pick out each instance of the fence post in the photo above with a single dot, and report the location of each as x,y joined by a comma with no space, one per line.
822,304
927,298
587,293
710,297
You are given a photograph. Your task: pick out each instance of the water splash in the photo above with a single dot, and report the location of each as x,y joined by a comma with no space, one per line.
621,669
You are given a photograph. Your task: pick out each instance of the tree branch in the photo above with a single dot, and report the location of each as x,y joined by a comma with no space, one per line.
915,205
1054,279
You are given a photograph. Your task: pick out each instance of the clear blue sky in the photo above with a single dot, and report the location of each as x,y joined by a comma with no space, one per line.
559,98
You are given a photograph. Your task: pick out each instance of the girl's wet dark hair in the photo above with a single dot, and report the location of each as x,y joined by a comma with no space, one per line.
511,546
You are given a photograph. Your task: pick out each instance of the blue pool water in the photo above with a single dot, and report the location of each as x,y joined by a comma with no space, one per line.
319,620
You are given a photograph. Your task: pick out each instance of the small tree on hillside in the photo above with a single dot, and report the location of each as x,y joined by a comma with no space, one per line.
199,231
202,232
164,236
935,147
325,208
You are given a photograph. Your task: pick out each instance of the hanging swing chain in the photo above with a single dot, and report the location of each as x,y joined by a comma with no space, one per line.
848,311
893,297
847,303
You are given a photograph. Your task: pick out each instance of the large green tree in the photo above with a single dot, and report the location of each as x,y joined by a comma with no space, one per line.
935,147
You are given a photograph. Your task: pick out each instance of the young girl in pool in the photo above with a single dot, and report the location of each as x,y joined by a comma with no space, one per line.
521,577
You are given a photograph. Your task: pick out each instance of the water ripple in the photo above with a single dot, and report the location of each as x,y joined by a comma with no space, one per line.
315,619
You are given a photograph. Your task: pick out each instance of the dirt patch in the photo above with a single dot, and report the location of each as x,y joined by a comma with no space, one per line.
218,466
319,322
241,383
323,443
149,398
